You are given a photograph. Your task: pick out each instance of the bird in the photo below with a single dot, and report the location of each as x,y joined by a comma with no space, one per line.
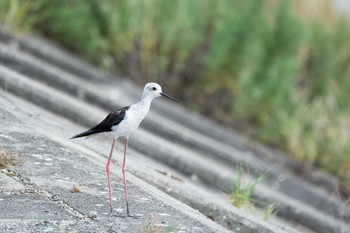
121,123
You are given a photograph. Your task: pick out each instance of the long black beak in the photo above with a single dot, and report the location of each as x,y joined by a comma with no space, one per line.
168,96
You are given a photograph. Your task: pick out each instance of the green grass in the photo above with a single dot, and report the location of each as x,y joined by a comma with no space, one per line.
20,16
242,194
269,211
254,65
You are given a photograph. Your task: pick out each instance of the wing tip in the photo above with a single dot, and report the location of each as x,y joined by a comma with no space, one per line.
84,134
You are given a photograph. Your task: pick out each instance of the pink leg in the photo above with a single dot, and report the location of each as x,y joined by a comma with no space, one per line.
124,178
108,175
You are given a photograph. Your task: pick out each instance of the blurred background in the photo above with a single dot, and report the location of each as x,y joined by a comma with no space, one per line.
277,70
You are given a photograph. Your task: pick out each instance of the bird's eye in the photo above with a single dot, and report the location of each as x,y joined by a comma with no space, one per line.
154,88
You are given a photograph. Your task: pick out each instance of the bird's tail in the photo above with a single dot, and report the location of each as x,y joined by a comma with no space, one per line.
84,134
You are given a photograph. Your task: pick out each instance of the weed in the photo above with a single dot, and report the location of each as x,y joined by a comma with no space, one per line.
8,158
154,225
269,211
20,15
242,195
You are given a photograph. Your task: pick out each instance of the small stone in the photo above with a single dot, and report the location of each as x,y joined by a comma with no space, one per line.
93,214
76,188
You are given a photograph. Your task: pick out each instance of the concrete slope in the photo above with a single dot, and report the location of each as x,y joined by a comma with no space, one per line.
42,95
37,195
206,146
172,142
44,50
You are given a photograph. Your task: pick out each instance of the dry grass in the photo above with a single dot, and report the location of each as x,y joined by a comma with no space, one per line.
154,225
8,159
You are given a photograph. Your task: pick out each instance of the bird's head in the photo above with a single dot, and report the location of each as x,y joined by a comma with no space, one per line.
154,90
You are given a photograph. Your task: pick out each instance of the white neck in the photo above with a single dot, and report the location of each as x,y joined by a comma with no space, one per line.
146,100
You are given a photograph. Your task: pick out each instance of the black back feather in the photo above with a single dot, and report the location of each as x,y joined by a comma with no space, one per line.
112,119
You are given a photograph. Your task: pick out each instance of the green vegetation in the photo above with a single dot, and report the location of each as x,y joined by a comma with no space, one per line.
260,66
242,194
269,211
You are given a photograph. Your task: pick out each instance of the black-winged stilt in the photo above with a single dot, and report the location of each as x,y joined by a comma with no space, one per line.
121,123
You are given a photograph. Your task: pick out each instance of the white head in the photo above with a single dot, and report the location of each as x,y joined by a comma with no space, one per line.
154,90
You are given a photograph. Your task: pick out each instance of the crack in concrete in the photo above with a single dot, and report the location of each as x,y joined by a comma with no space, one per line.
31,187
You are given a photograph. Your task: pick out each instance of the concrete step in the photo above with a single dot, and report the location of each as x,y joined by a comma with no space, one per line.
188,148
17,81
285,181
36,194
48,52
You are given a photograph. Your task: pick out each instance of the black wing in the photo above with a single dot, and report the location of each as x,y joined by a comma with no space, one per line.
112,119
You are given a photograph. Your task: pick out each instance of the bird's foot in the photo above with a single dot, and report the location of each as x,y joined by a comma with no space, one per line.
128,212
133,216
125,216
128,215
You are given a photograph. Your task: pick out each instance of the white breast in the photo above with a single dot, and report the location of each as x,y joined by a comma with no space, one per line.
131,121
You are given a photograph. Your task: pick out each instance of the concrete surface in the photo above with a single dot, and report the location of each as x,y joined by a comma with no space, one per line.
166,152
37,194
